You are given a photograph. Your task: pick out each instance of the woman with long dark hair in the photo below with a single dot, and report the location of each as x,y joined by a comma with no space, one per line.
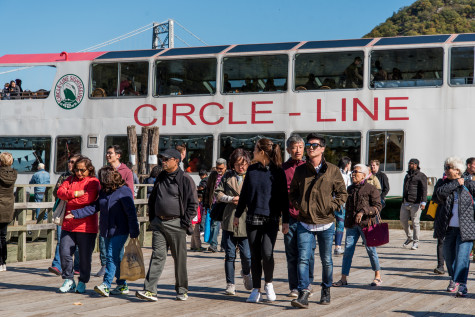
264,194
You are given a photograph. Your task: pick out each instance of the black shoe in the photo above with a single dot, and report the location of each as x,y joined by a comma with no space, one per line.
325,299
302,300
101,272
211,249
439,270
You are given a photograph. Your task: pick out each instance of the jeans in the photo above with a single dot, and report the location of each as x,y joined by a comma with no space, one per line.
85,242
57,259
340,225
412,211
306,247
292,255
352,237
230,243
456,254
3,243
213,242
115,252
102,251
39,197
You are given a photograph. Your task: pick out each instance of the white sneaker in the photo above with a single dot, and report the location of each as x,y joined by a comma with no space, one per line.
230,289
269,289
3,267
255,296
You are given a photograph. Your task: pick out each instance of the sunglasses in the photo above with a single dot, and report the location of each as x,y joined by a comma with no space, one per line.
356,172
165,159
71,161
448,167
81,170
314,146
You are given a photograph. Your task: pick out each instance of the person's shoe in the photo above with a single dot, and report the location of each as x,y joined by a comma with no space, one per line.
54,270
102,290
247,280
212,249
230,289
81,288
338,251
462,291
1,268
294,293
415,246
68,286
452,286
120,290
101,272
183,296
255,296
325,299
311,290
302,300
221,250
151,297
406,244
76,272
270,294
439,270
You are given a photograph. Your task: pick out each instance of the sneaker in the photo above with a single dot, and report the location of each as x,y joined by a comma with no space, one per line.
338,251
102,290
270,294
247,280
3,267
439,270
54,270
120,290
101,272
452,286
212,249
415,246
406,244
183,296
230,289
462,291
81,288
294,293
146,295
255,296
68,286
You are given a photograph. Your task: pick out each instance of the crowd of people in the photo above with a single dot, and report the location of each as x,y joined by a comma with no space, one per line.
309,200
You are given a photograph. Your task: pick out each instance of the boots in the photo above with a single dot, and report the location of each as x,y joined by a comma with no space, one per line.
302,300
325,299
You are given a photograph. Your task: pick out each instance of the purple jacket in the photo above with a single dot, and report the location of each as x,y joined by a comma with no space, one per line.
289,168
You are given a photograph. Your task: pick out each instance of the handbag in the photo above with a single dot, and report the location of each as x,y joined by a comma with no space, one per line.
376,234
431,211
59,209
217,211
132,265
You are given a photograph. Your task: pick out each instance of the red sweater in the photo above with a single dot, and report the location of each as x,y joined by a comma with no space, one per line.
91,187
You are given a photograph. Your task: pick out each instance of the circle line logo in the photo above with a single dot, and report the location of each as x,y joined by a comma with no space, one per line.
69,91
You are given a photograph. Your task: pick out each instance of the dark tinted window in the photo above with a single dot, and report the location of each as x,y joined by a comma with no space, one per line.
230,142
461,66
65,147
388,148
199,150
27,152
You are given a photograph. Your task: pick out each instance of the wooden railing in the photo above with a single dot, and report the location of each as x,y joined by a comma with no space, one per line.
22,224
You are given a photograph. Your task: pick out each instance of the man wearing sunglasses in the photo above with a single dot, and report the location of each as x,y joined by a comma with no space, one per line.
317,190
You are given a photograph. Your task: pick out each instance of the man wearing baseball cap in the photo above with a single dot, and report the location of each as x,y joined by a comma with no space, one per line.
414,198
172,204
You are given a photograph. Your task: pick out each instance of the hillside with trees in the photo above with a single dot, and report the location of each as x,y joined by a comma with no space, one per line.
426,17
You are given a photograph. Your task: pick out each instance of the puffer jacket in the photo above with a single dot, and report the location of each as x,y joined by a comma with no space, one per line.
7,183
415,187
445,197
362,198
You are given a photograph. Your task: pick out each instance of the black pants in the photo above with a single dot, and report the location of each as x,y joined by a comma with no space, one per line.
85,243
3,243
261,242
440,254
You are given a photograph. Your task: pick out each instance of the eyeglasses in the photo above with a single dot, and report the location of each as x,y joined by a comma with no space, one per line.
80,170
356,172
447,167
314,146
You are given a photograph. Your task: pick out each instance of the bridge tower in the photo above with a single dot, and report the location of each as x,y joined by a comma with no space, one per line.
167,31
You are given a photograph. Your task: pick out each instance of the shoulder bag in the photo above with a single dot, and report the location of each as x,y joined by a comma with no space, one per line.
376,234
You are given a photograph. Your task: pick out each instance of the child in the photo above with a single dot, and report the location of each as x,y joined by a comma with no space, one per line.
195,237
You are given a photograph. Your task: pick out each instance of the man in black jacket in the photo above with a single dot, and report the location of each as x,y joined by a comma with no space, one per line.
383,180
172,205
414,200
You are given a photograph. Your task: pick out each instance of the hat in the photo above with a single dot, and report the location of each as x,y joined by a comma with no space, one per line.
171,153
415,161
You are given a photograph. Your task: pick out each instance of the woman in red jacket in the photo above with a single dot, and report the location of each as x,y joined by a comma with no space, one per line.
79,190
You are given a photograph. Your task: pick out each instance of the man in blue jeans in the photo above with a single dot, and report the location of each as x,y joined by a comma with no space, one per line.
317,190
40,177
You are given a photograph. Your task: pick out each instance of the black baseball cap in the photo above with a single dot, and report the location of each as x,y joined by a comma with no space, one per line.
171,153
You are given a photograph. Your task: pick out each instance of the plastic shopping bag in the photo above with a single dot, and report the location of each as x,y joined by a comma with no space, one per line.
132,266
207,234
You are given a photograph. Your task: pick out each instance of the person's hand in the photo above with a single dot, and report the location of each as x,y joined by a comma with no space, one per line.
235,200
79,193
461,181
236,221
285,228
359,216
69,216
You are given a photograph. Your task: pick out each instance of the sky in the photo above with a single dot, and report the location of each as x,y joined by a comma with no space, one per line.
52,26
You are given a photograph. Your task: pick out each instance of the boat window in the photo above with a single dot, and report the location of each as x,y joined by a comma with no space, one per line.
330,70
230,142
185,77
65,147
121,140
27,152
339,144
250,74
199,150
119,79
419,67
461,66
31,82
388,148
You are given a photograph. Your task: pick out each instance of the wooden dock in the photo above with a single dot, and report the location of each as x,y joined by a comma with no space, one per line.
410,288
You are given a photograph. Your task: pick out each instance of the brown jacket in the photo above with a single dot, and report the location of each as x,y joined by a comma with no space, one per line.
317,195
362,198
7,183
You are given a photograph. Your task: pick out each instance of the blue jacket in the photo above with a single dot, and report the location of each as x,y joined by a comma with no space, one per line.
118,215
40,177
